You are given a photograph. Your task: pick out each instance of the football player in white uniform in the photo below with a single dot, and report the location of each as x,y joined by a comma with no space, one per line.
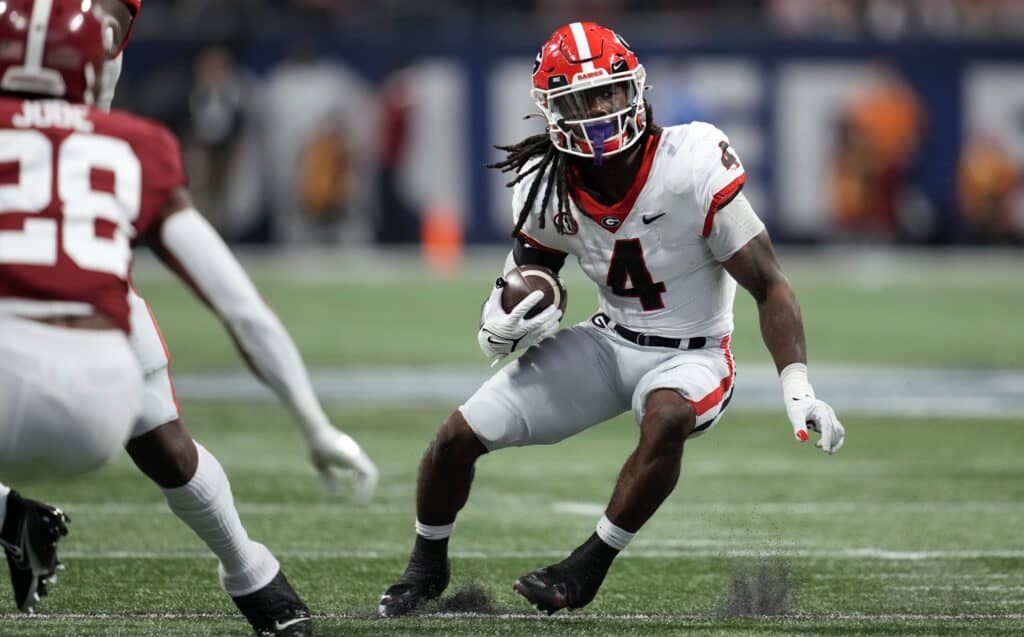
193,482
655,217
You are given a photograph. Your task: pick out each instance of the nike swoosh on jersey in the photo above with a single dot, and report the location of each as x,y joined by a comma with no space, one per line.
647,219
280,625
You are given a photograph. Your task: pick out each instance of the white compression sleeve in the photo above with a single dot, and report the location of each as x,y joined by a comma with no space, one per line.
189,237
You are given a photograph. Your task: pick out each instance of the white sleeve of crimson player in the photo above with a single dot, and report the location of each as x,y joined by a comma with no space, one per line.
267,346
220,278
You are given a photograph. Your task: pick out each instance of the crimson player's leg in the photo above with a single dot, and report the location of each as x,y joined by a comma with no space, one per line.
68,398
682,396
541,398
29,532
197,490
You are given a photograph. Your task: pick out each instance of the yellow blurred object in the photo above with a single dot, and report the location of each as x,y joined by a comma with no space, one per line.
441,238
325,177
987,179
890,119
876,139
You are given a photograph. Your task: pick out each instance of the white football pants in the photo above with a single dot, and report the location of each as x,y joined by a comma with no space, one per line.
159,403
68,398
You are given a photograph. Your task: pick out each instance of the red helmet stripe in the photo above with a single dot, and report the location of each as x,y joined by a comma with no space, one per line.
579,37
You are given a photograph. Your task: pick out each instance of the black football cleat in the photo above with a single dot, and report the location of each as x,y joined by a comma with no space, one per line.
572,583
29,538
276,610
424,579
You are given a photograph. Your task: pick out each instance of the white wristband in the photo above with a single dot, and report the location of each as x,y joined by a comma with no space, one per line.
794,382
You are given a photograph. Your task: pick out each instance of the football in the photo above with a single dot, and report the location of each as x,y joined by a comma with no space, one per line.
519,283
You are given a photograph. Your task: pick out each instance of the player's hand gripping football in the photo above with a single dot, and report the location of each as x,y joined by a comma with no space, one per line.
332,451
502,333
807,412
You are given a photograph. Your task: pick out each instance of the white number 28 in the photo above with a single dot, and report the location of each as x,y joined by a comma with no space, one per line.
78,155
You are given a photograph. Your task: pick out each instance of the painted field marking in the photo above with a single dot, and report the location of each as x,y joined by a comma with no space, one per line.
861,553
596,509
533,616
511,507
878,390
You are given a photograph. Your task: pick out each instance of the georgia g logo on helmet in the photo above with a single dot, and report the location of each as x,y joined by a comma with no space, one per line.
589,86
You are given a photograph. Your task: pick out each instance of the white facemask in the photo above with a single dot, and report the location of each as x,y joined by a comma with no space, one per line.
108,82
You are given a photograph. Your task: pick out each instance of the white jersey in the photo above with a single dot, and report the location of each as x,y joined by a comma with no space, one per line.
656,256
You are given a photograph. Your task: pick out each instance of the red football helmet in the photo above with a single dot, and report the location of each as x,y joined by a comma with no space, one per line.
589,85
50,47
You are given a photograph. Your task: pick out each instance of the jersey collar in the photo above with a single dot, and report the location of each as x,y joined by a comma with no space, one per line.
611,217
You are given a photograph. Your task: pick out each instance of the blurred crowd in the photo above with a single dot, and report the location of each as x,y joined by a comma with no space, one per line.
884,19
312,149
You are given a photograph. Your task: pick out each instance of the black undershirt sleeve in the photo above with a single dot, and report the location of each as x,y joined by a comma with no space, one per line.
525,254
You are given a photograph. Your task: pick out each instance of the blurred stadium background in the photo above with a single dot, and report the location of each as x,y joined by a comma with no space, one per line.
340,145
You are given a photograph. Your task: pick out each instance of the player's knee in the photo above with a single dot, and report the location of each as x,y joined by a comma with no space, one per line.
166,454
456,442
668,420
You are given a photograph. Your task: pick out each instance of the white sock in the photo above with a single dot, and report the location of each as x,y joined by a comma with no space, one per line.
428,532
207,506
4,490
612,535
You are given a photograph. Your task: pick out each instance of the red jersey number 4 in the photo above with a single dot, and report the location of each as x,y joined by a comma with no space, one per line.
628,267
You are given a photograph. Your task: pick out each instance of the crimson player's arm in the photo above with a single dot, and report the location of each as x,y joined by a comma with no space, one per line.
189,245
757,269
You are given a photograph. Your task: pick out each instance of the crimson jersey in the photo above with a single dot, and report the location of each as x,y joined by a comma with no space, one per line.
78,188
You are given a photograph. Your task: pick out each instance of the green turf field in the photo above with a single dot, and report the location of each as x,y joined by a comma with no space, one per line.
914,528
918,321
904,529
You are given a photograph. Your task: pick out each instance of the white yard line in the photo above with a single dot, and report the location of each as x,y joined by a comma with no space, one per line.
871,390
725,551
513,508
534,616
592,509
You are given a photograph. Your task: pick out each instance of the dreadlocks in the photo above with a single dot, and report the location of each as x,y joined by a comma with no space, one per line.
519,155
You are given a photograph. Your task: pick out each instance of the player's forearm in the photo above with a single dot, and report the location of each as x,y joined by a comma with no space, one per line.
197,253
273,357
782,327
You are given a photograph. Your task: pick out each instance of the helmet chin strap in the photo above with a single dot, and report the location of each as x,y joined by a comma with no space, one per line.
598,132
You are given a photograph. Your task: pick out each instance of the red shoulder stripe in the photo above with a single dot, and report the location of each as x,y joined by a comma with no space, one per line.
722,197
